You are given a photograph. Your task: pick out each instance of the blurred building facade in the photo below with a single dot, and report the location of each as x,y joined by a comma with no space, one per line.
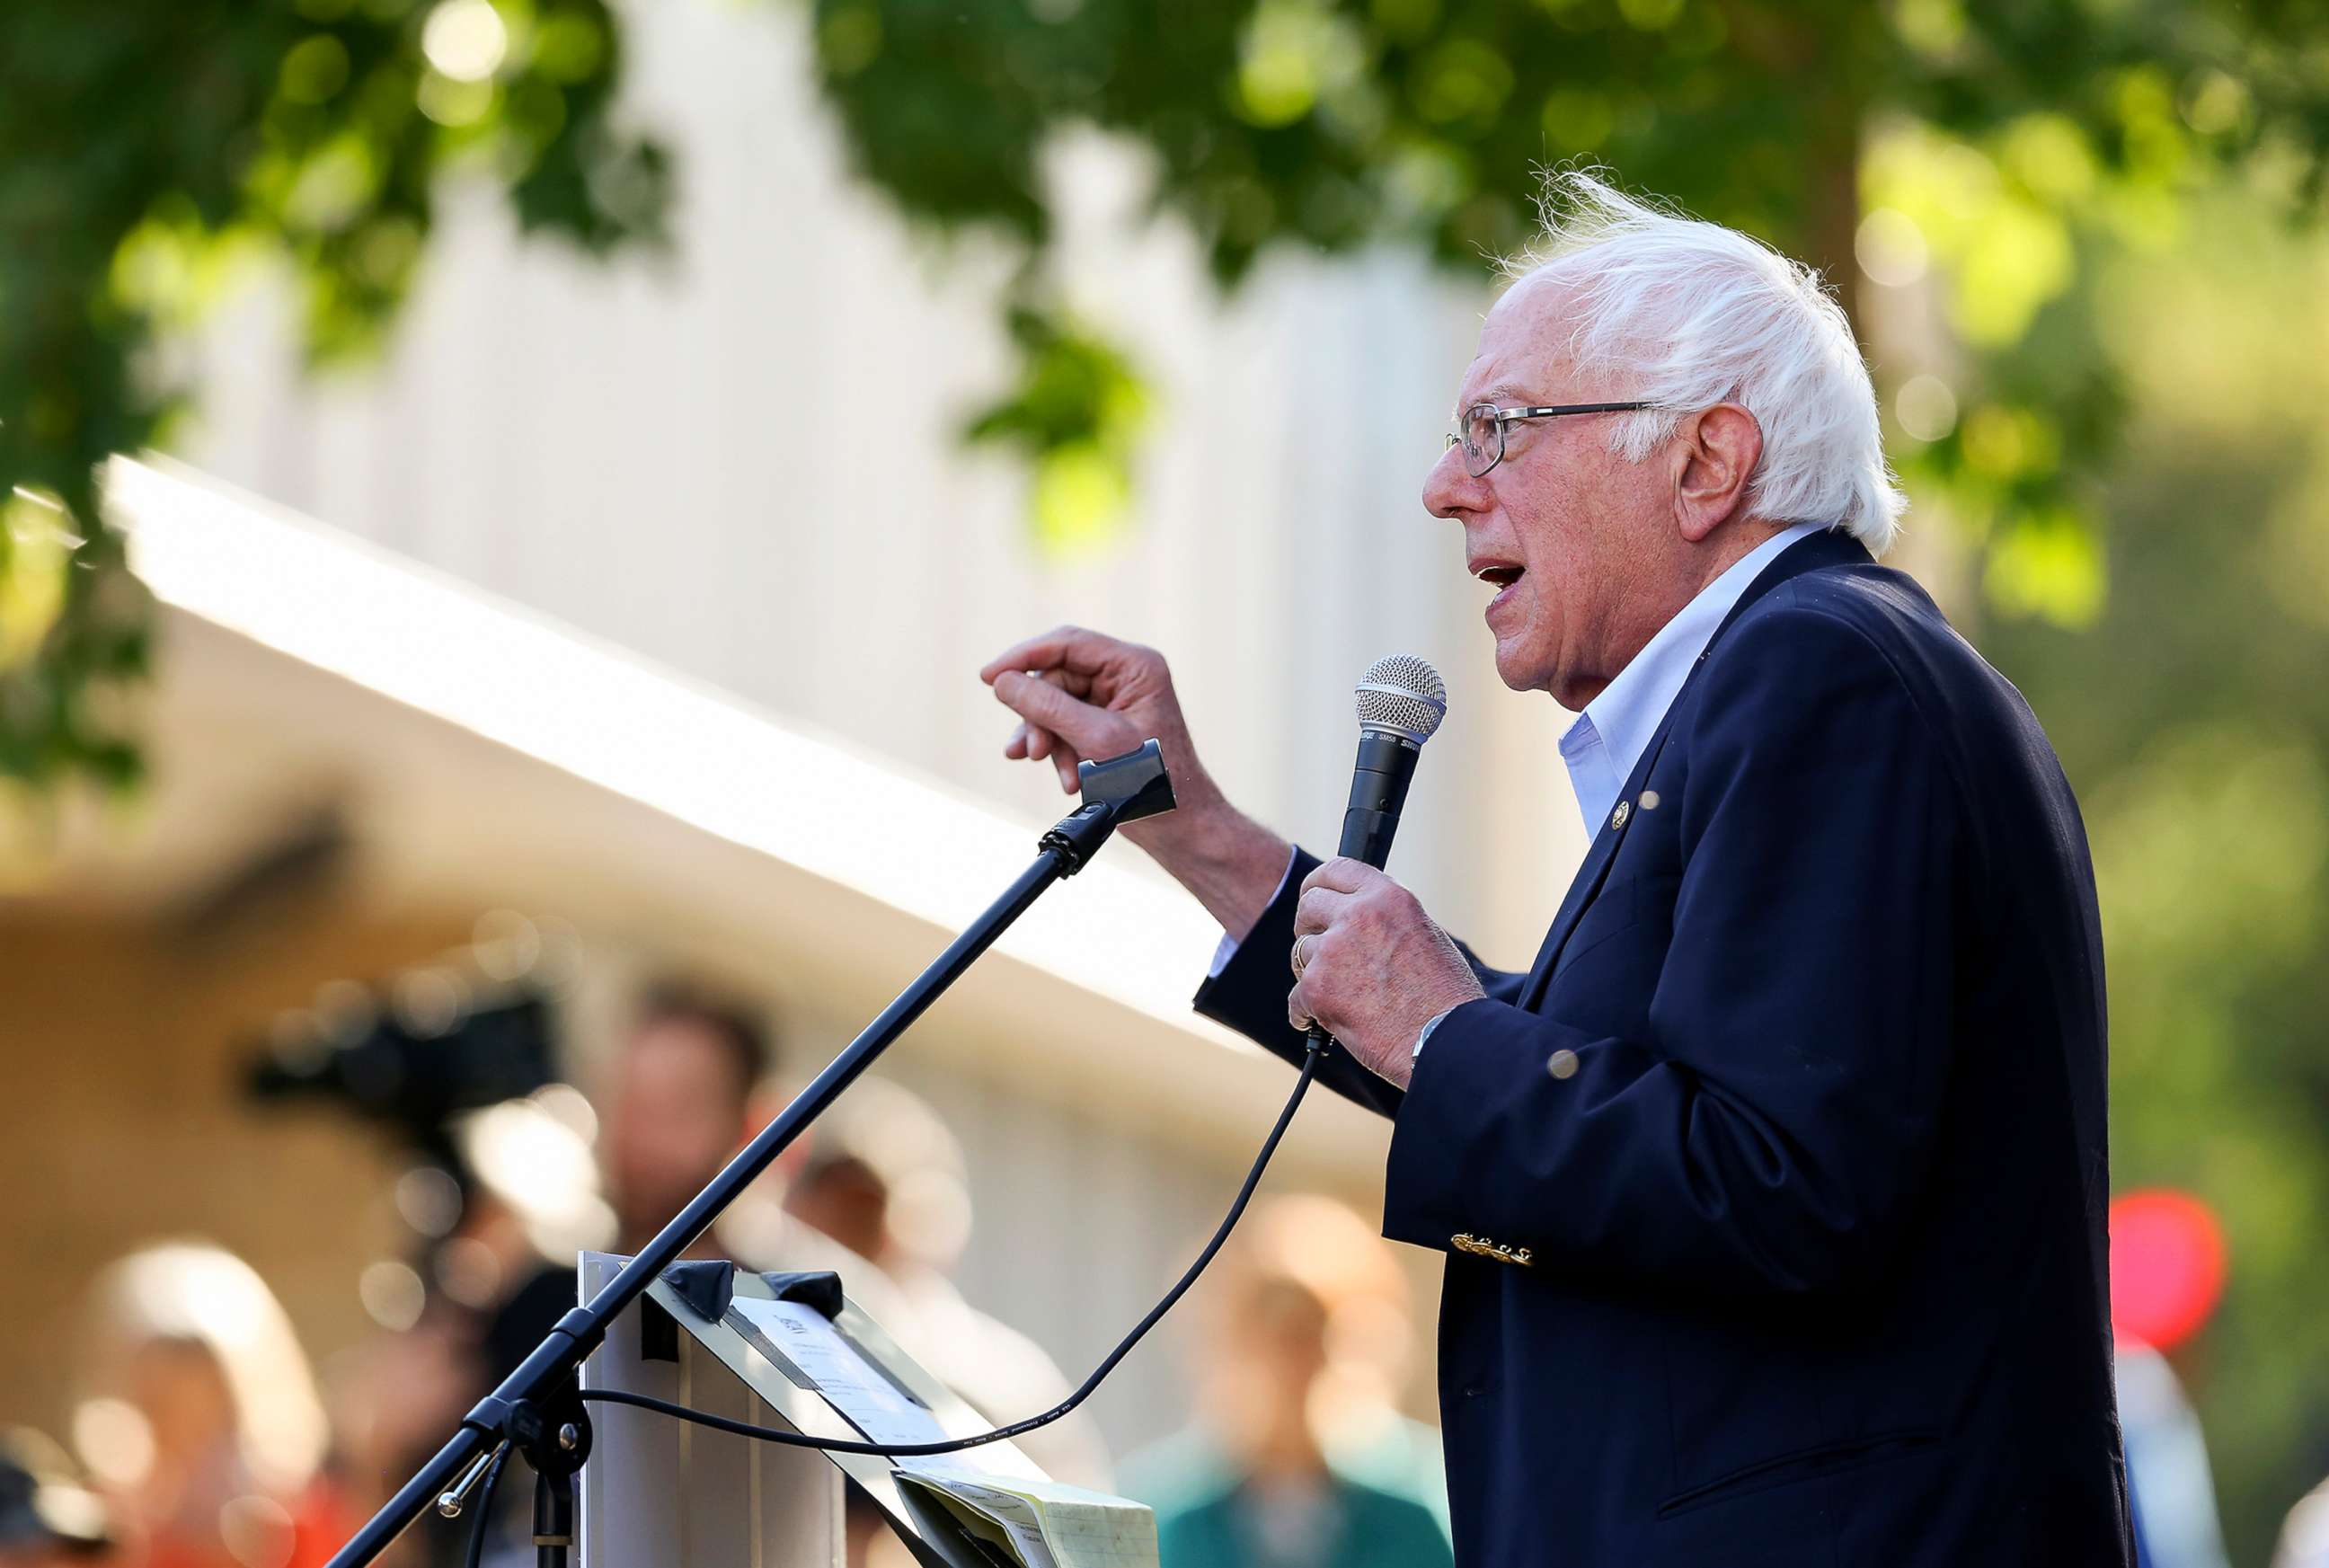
740,465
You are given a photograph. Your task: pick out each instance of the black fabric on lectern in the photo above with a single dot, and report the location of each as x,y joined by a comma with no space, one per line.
707,1287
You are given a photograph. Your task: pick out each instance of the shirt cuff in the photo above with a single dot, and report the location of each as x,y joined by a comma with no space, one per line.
1425,1033
1227,947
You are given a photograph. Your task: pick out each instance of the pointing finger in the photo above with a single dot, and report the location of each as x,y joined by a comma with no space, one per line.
1061,728
1069,647
1040,742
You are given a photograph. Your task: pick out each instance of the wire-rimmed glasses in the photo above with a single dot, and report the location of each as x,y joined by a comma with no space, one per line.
1481,430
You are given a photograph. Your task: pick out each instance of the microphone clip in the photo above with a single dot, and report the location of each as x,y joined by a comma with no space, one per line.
1117,791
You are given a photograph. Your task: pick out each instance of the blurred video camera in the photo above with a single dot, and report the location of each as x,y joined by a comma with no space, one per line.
410,1070
456,1062
471,1030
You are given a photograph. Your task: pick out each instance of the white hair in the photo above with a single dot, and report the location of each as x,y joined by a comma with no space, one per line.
1692,313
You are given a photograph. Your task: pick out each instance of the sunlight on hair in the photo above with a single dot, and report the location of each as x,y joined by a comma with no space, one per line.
205,1295
1692,313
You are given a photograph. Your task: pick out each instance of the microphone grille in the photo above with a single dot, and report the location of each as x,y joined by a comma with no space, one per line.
1402,694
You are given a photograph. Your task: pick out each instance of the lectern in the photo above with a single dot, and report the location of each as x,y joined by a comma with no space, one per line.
793,1352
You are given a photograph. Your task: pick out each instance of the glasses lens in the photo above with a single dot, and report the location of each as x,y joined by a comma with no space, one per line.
1483,439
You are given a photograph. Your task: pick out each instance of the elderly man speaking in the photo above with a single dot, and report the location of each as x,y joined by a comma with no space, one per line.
1773,1194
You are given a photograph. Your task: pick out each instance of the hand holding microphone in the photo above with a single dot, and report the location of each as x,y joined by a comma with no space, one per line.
1371,966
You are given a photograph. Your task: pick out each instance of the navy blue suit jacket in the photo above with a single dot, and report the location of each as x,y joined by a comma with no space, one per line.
1798,1118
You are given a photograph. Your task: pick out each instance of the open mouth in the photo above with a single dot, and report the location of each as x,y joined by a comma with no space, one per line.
1497,573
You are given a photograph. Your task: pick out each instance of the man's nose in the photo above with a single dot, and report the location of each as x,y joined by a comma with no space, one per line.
1448,490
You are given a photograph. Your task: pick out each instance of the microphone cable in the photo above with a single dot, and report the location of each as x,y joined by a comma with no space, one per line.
954,1445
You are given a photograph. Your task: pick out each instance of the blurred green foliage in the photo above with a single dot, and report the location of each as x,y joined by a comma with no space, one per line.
146,146
2192,717
1075,416
1984,154
2004,144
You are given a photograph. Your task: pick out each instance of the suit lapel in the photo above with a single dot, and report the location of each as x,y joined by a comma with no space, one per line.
1807,554
1587,884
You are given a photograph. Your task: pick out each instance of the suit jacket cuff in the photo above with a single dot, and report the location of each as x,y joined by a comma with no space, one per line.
1227,947
1479,1054
1247,992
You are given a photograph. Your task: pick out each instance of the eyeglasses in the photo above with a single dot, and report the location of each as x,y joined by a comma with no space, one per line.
1481,431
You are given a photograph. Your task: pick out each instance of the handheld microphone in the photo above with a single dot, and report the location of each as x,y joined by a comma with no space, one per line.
1401,700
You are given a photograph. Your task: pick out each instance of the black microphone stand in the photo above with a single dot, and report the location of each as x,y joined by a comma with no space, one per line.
535,1408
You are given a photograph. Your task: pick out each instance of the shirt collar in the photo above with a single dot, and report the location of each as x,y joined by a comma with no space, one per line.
1627,713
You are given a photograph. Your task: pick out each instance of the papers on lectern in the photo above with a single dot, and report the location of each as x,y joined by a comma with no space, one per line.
667,1492
865,1395
1037,1522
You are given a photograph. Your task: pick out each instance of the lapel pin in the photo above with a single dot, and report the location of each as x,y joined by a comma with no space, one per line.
1617,817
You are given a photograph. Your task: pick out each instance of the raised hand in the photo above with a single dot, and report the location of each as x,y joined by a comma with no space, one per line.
1082,694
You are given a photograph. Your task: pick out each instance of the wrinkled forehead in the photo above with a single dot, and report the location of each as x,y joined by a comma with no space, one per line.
1524,353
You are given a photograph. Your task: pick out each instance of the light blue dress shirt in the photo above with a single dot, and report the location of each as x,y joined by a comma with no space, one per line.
1603,743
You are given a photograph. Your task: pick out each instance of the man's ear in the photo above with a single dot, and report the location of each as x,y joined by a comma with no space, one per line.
1719,448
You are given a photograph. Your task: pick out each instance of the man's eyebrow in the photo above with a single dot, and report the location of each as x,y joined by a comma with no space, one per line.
1500,395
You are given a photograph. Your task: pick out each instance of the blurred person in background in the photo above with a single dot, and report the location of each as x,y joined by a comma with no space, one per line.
2168,1265
880,1175
48,1517
679,1099
884,1177
682,1099
201,1416
2169,1483
1299,1457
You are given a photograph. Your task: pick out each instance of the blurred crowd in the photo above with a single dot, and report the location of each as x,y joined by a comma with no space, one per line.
202,1436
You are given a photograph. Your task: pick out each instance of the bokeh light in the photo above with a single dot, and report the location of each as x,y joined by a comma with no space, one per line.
1926,407
465,40
2167,1266
393,1294
1890,247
